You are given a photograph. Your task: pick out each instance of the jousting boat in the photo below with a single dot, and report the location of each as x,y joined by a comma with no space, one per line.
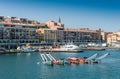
50,60
89,60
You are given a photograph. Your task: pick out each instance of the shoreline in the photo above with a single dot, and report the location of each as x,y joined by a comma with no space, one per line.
71,51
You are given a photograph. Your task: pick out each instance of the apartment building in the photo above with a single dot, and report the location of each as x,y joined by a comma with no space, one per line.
113,38
18,31
82,35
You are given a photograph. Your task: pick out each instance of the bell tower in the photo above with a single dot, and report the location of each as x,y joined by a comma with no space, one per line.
59,21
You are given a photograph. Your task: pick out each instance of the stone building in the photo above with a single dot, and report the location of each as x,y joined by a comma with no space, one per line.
18,31
82,35
113,38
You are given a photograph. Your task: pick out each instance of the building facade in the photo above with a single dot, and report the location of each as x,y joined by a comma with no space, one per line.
113,38
18,31
77,36
82,35
55,25
52,34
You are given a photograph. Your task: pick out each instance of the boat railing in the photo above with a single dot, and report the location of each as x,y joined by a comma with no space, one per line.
47,57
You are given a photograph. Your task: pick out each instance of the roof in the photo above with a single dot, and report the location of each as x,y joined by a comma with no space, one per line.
79,30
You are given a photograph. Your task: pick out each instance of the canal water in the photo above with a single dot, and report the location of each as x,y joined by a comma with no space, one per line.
25,66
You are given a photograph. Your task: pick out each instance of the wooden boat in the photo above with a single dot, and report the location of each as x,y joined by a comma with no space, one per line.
72,60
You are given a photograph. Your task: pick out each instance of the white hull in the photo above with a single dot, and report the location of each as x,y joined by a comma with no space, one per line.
25,49
70,47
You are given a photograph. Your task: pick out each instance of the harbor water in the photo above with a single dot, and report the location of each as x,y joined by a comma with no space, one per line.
29,66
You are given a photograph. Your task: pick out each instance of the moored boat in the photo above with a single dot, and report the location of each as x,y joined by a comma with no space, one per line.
2,50
69,47
25,49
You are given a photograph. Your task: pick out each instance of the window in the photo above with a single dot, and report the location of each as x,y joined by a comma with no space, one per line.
1,25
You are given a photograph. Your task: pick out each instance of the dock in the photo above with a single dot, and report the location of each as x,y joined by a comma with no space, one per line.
47,50
94,48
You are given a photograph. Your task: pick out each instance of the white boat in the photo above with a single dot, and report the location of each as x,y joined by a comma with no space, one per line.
2,50
68,47
25,49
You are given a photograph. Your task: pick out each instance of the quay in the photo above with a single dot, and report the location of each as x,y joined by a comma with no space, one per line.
47,50
71,51
9,51
55,50
94,48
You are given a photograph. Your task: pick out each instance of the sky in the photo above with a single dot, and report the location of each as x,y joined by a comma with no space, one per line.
76,14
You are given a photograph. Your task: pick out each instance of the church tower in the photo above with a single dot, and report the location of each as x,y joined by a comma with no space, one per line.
59,21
